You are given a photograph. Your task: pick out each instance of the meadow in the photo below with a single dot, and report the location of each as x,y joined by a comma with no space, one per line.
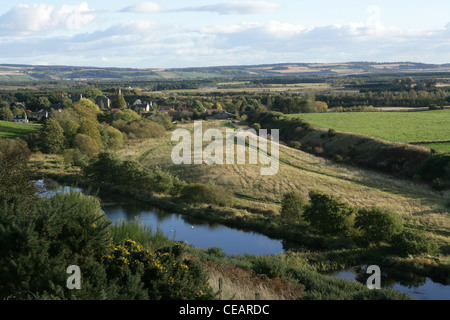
252,193
409,127
13,130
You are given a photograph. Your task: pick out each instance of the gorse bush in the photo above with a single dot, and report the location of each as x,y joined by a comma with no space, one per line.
39,243
164,274
37,246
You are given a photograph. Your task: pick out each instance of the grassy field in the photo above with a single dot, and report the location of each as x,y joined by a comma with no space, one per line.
426,126
13,130
443,147
417,205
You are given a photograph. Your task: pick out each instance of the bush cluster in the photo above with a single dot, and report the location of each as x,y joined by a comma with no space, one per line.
107,167
38,244
332,216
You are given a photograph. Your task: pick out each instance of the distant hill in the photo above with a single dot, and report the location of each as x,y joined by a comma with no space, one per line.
10,72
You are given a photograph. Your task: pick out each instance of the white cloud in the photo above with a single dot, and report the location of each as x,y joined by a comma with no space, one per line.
24,19
237,7
145,7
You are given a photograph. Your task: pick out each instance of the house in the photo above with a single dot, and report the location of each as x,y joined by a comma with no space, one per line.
41,114
103,102
22,118
165,108
115,110
221,116
140,107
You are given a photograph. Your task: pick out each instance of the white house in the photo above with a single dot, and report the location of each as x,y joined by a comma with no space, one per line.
21,118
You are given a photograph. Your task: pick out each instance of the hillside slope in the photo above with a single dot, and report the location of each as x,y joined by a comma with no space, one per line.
418,205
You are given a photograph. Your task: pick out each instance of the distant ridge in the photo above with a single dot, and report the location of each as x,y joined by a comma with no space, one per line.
23,72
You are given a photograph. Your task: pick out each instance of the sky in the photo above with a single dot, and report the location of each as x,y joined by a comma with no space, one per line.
182,33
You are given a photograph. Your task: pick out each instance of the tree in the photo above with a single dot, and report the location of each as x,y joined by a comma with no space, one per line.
377,224
86,108
127,115
293,206
198,105
89,127
115,137
93,93
52,137
43,103
103,167
15,174
6,114
118,100
327,213
85,144
217,106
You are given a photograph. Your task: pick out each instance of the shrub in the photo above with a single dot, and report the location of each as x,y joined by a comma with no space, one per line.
38,244
293,206
433,167
327,213
256,126
295,145
163,274
331,133
206,193
413,242
447,201
85,144
271,266
103,167
377,224
165,182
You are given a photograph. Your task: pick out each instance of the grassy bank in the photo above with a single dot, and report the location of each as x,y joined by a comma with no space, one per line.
13,130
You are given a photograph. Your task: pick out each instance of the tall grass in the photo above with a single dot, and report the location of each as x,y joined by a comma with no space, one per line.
137,231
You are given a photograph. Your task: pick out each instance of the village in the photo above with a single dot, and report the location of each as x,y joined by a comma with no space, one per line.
145,109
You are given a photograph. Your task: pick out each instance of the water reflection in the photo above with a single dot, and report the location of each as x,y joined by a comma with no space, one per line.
196,232
419,287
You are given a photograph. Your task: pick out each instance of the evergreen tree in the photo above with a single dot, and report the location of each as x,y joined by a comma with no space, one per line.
118,100
52,137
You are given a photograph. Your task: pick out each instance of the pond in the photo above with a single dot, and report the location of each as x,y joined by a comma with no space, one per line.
421,288
197,233
203,234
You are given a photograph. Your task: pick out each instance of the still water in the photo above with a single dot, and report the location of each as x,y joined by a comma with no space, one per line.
178,227
202,234
196,232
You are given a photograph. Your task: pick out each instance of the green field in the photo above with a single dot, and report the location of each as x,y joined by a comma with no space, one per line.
13,130
443,147
424,126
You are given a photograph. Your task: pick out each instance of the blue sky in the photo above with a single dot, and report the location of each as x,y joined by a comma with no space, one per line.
175,33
